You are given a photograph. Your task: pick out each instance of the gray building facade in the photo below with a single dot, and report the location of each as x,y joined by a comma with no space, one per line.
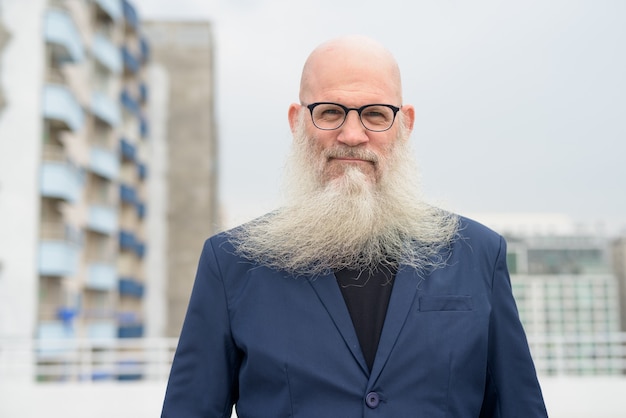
183,54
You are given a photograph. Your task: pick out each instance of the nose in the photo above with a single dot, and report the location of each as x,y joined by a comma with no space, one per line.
352,132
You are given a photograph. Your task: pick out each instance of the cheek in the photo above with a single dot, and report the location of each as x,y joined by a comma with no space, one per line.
322,140
384,145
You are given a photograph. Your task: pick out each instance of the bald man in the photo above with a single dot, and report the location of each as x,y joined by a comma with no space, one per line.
355,298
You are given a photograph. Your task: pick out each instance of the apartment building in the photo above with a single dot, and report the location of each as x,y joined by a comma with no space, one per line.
567,297
74,163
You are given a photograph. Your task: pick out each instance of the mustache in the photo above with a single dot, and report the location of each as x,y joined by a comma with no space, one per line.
349,152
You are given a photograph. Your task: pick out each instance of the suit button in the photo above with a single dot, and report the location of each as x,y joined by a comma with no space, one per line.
372,400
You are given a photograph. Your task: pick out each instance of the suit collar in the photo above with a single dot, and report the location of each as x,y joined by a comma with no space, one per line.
330,295
405,287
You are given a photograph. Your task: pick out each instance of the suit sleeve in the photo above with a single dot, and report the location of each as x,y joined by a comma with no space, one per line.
203,378
512,389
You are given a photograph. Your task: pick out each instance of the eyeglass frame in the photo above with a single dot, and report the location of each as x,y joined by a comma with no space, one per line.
358,110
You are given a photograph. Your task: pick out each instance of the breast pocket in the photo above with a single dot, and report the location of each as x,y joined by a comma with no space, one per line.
445,303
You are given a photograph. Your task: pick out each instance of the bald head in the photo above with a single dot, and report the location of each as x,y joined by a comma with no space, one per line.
350,64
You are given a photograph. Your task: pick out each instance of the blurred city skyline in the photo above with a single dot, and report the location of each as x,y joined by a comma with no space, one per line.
519,105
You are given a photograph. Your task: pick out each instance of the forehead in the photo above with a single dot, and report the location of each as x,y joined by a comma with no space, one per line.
352,76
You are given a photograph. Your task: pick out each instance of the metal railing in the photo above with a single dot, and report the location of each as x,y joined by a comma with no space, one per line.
86,360
579,355
149,359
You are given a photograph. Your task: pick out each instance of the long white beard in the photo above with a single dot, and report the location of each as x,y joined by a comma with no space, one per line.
348,220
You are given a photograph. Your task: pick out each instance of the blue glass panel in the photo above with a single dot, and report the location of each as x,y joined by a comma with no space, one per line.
128,150
145,49
129,102
130,331
144,127
130,62
142,171
128,194
130,14
141,210
127,240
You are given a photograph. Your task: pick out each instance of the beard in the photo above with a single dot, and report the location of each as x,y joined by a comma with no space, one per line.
340,216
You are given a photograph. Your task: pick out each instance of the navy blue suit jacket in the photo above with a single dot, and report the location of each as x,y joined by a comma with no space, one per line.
279,346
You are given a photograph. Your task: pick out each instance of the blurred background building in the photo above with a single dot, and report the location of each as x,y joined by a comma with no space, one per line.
182,83
565,279
74,161
108,181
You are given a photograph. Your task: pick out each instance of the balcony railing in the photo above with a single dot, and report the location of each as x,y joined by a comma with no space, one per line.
83,360
150,358
579,355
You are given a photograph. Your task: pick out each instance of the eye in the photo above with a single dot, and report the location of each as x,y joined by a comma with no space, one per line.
328,112
332,111
377,114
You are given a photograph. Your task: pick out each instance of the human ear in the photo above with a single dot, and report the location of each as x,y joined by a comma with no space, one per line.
294,114
409,116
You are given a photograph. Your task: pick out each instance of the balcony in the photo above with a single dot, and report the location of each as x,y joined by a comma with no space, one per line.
130,287
112,8
140,249
130,331
60,180
59,104
104,163
102,219
128,194
130,14
54,339
141,210
106,53
131,64
144,126
101,276
102,330
145,49
127,150
105,109
129,102
143,93
58,258
142,171
127,240
61,32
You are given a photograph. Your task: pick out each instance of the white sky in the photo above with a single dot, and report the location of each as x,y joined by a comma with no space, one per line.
521,105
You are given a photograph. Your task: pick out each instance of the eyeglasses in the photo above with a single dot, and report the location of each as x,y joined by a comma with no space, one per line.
374,117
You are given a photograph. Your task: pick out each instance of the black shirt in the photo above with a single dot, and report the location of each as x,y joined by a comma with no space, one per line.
367,294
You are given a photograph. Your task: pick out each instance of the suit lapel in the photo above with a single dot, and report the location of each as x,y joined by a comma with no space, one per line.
404,289
330,295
